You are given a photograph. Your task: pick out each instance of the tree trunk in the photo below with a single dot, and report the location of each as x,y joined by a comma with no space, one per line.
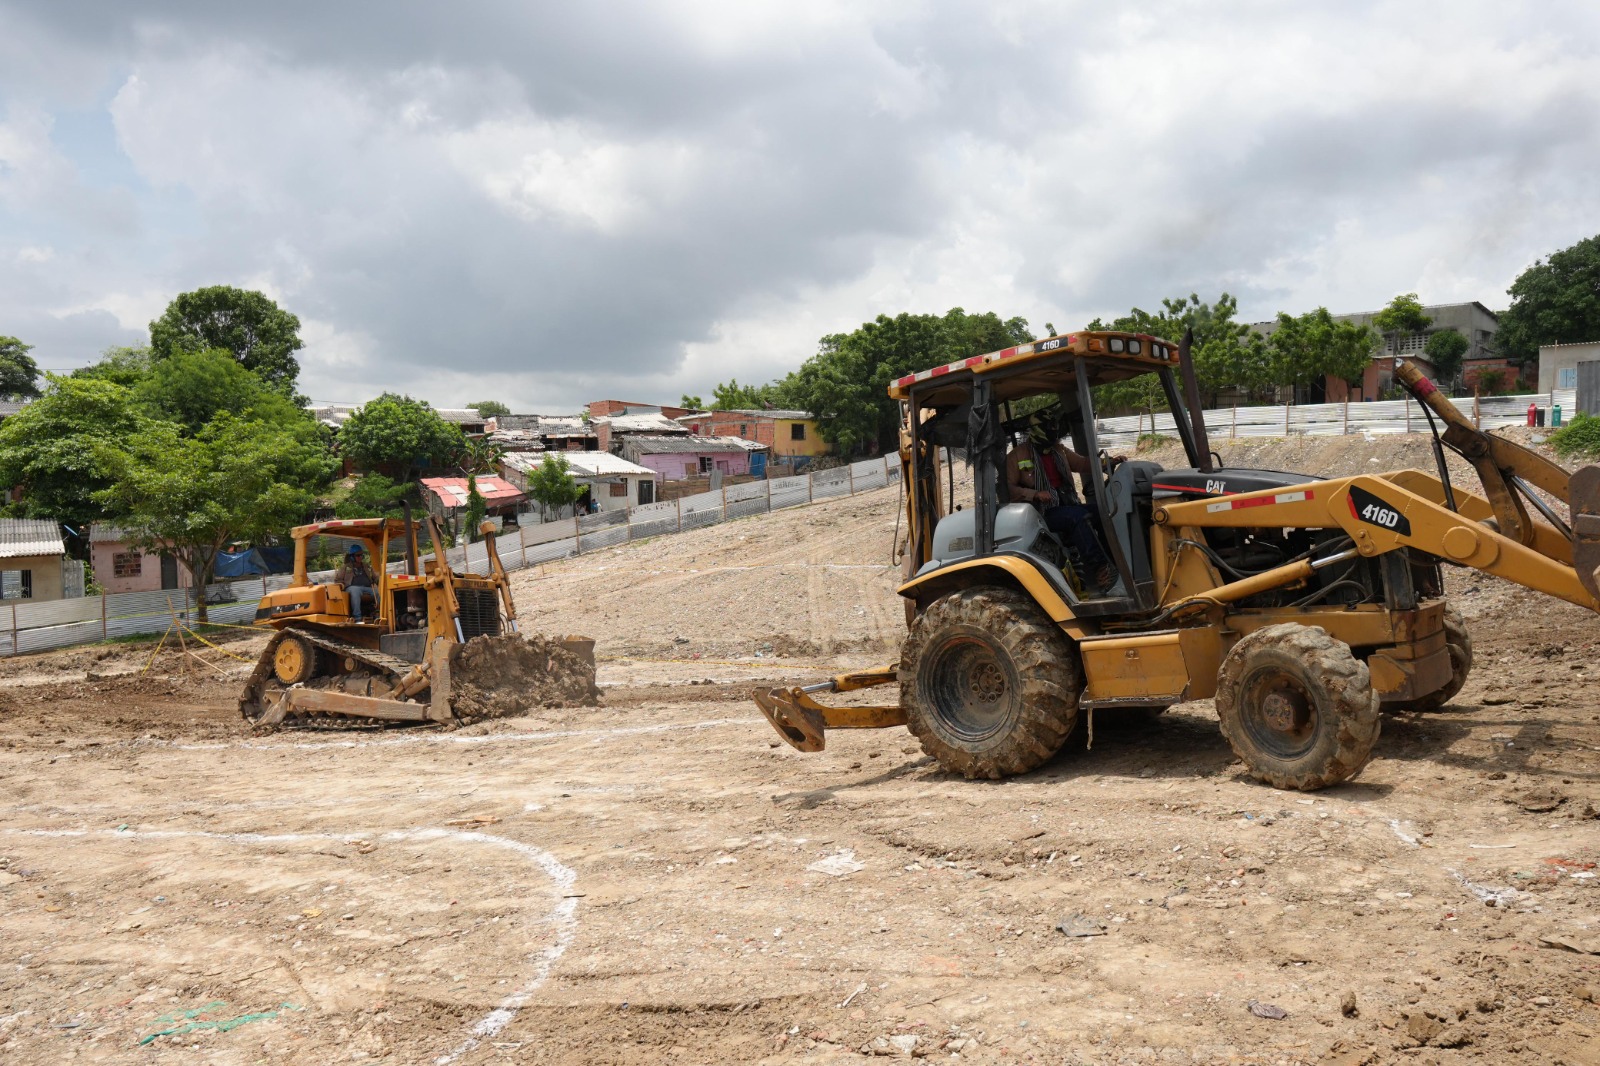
200,576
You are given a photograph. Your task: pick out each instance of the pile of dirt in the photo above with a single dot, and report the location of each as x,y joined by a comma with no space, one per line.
496,677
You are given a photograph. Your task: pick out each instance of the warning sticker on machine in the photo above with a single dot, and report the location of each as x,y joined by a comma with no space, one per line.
1376,512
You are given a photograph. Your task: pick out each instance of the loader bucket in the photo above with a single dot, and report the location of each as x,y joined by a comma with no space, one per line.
796,716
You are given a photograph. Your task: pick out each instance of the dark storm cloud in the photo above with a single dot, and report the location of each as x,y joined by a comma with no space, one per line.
561,199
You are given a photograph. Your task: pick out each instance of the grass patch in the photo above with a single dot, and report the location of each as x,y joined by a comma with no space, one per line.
1579,438
1147,441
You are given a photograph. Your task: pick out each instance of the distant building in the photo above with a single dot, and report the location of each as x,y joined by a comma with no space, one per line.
791,436
555,433
678,458
1558,363
1472,320
119,566
611,430
33,561
446,497
614,483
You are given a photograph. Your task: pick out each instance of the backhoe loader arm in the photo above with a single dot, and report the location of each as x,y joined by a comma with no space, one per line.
1381,515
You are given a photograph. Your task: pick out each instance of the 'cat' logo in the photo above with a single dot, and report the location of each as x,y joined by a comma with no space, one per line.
1376,512
1218,487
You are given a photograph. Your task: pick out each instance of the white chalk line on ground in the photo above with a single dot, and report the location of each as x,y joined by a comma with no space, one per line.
446,738
563,917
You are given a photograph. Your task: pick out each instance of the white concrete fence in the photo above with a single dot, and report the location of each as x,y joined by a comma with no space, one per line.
26,626
1336,419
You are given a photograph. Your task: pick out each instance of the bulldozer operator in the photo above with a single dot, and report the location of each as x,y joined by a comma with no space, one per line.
356,578
1039,471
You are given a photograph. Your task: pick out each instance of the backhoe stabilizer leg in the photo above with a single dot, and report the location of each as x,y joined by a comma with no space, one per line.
803,723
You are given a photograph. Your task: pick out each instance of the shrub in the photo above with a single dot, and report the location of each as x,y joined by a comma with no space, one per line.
1580,437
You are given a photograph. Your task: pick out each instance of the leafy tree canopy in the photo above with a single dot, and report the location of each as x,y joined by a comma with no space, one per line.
399,431
192,387
374,496
19,374
490,408
732,396
1555,301
1445,350
1306,348
1226,353
259,333
552,484
845,385
472,517
691,403
1403,315
55,447
237,479
119,365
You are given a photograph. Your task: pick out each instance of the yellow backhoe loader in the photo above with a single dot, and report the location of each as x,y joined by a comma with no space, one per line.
393,664
1303,605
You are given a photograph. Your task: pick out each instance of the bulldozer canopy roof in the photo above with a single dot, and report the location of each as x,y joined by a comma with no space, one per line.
358,528
1045,365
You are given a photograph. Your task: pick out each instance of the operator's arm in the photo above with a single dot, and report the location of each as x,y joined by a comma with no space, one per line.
1019,465
1080,464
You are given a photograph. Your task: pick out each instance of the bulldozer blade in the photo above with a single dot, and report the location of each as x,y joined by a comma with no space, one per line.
1583,495
804,723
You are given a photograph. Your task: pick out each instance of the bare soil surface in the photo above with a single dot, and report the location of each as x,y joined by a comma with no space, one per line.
657,879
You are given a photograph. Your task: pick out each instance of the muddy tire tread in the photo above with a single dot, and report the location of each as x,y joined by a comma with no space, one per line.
1349,687
1046,664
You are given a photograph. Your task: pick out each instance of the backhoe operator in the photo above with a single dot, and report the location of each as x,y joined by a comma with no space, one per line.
1039,471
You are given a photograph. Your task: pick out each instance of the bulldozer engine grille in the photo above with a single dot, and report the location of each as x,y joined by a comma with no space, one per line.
480,612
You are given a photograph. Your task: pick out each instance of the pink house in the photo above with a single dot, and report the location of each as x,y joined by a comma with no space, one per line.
681,458
120,567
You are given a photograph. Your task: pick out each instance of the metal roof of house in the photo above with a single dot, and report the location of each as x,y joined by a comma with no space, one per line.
544,425
453,491
583,464
690,445
30,536
11,407
102,533
656,423
778,412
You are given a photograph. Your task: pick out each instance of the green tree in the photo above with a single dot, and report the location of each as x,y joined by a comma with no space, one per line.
120,365
472,518
192,387
1307,348
845,385
489,408
732,396
477,456
259,333
691,403
54,448
1555,301
1445,350
374,496
1402,316
19,374
237,479
1226,353
398,431
551,483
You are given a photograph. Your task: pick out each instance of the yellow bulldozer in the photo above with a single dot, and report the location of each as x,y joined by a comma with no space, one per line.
1305,606
393,664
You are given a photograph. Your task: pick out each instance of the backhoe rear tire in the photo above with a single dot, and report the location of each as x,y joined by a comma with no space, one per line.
1297,707
988,683
1459,641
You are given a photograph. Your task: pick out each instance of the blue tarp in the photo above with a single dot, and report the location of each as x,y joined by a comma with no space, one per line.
239,564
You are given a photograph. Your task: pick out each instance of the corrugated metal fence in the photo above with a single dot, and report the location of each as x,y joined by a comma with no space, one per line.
28,627
1336,419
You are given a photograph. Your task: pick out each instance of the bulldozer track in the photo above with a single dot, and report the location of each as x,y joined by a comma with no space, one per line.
255,690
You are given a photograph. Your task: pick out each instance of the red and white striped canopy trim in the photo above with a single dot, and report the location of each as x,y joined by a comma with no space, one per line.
992,357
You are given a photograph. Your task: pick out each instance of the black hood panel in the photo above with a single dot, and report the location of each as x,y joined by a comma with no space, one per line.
1226,482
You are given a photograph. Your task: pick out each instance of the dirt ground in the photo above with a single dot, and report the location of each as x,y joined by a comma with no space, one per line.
657,880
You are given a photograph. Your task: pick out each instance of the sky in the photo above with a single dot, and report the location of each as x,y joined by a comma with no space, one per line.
546,204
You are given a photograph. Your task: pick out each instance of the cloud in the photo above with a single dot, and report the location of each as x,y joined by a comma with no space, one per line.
547,205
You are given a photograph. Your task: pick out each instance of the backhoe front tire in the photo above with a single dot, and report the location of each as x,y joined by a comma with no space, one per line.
1297,707
1459,641
988,683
